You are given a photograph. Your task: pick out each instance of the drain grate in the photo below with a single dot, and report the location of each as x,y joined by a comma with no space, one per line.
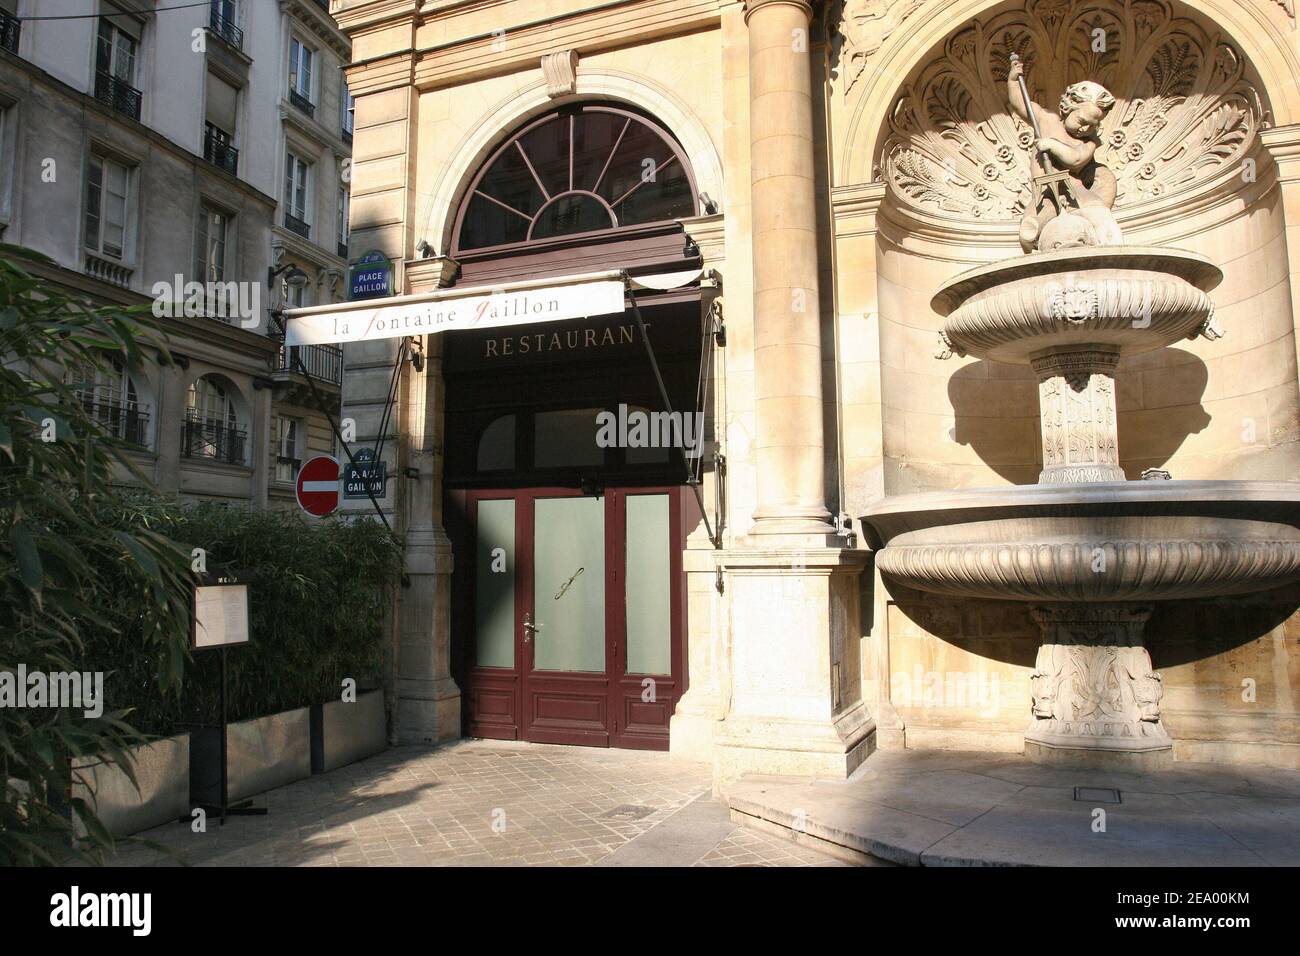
628,811
1096,795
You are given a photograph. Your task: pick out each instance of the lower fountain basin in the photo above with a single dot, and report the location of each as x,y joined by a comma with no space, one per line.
1104,541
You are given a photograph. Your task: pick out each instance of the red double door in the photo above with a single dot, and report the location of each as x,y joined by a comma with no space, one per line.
573,615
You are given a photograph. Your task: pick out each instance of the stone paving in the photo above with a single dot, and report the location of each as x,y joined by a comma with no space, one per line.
937,808
485,803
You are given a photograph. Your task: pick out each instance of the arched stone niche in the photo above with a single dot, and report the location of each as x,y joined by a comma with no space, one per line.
1183,140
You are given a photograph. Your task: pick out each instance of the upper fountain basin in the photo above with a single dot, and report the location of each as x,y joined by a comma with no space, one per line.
1128,298
1105,541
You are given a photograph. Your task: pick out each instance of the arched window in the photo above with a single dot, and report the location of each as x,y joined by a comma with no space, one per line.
214,425
111,396
584,169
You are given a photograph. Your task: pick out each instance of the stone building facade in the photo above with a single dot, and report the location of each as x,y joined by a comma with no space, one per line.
844,160
143,144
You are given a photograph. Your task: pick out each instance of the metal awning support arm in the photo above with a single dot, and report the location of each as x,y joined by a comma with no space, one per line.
714,537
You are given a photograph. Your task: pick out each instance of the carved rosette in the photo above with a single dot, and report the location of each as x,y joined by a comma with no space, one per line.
1076,401
1188,107
1093,687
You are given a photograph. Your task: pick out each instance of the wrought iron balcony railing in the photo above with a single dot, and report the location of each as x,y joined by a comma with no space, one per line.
300,101
10,26
218,151
118,94
323,362
225,28
214,439
294,224
128,420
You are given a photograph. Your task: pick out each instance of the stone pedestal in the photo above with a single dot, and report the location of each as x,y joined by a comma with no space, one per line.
795,684
1076,401
1096,700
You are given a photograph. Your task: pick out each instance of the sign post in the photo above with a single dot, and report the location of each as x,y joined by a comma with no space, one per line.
317,486
219,620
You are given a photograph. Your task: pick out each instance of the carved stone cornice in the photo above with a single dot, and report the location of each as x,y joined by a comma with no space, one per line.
514,48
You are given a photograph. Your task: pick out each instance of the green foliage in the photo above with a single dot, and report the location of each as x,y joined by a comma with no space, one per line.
56,489
318,592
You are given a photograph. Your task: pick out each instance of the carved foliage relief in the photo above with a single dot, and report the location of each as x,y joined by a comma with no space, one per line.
1186,105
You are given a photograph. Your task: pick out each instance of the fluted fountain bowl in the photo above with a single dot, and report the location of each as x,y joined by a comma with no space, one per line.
1106,541
1128,298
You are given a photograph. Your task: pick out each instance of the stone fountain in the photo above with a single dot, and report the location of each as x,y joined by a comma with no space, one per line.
1088,551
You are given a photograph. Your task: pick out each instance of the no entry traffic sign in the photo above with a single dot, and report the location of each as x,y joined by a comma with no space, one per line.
318,486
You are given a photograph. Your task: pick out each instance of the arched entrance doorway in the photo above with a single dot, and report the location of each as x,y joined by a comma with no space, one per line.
566,495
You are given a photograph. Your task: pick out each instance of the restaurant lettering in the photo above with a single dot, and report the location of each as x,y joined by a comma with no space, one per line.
569,340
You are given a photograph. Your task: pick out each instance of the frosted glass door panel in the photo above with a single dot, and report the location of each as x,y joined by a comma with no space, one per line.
494,584
649,595
569,584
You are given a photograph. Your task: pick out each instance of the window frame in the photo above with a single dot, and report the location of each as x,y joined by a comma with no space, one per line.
105,160
303,50
597,235
292,186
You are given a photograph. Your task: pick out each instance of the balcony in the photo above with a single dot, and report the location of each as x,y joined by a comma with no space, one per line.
10,26
226,29
300,101
294,224
118,94
322,362
218,151
106,270
214,440
117,415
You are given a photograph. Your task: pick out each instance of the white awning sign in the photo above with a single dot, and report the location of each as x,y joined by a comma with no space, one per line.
453,310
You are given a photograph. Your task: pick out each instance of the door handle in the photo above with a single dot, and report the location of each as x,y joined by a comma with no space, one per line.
529,627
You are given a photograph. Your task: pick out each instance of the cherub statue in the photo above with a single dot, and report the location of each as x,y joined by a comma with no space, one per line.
1075,209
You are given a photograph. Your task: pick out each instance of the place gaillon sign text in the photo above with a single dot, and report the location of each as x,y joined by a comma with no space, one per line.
454,310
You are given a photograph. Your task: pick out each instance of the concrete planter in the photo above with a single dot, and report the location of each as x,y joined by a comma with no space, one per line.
264,753
161,768
345,733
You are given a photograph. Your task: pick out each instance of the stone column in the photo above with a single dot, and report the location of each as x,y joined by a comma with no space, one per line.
1283,143
787,335
792,687
1076,402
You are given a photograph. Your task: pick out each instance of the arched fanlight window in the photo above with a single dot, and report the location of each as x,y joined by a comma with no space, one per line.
583,169
111,396
214,425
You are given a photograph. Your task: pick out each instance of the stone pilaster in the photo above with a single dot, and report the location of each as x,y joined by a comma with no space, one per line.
1283,144
787,314
1076,402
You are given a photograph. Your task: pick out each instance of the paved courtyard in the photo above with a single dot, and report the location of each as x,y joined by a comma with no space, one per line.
485,803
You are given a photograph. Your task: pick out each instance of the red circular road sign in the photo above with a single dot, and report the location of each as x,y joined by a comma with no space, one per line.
318,486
